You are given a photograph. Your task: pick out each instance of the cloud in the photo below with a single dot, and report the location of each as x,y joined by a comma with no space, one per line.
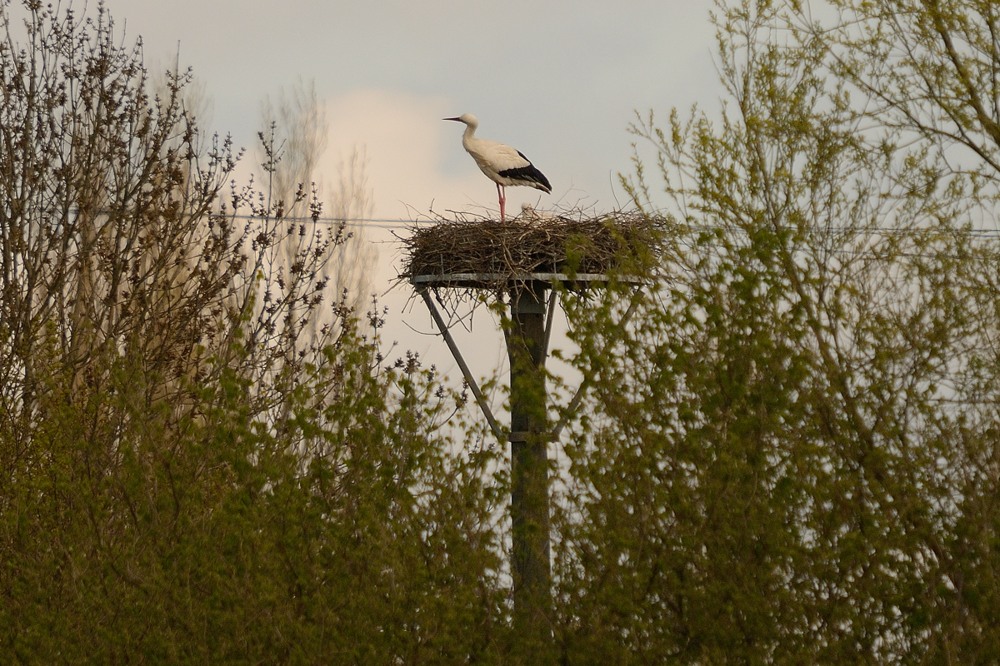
404,140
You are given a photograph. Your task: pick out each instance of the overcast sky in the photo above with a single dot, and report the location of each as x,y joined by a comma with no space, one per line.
559,80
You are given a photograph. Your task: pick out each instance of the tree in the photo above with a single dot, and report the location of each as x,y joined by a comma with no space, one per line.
928,66
929,69
789,453
104,204
290,163
192,471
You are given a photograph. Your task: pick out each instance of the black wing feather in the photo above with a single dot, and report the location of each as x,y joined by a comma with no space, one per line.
527,173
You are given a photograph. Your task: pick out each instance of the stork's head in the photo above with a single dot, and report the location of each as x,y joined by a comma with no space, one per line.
466,118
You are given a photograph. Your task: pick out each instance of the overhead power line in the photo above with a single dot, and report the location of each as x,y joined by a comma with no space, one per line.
398,222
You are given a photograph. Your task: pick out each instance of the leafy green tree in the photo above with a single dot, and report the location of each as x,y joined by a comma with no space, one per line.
791,452
193,471
929,71
926,66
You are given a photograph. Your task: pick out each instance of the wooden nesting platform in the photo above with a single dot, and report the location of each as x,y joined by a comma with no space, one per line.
486,254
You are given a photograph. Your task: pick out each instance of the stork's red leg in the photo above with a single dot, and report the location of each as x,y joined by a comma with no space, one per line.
502,198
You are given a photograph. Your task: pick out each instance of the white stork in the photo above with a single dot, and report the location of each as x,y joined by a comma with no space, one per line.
501,164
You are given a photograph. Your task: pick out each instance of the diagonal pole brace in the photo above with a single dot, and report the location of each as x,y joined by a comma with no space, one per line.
469,379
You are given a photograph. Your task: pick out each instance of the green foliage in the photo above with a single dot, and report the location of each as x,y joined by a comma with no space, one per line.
142,536
790,449
787,451
206,457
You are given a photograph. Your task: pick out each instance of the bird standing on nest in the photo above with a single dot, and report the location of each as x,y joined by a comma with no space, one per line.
501,164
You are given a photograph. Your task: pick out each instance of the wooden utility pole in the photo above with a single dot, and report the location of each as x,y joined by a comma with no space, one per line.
529,507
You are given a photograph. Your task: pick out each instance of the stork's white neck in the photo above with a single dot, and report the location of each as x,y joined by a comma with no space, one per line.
469,136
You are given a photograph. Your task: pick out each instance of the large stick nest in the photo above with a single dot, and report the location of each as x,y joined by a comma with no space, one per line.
491,254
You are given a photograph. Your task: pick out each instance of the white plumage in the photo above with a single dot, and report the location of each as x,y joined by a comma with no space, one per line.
502,164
